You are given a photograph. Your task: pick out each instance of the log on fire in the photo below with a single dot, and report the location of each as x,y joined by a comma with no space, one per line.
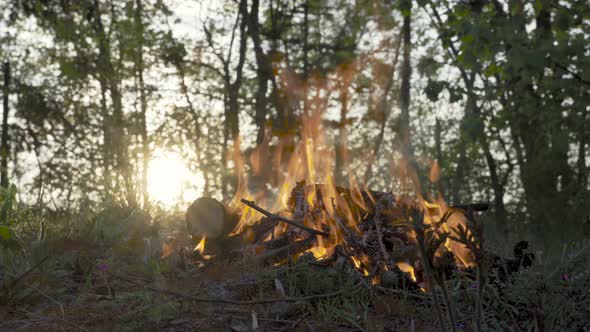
207,217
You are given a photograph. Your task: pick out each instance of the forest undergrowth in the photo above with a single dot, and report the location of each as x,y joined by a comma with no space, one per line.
105,270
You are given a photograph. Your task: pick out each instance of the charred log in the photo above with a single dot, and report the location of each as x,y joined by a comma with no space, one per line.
208,217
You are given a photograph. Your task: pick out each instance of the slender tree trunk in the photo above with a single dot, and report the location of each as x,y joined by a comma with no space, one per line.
117,123
546,203
406,76
480,135
232,104
497,186
197,127
107,160
305,56
582,177
145,144
440,186
342,144
4,148
263,70
472,111
383,111
224,151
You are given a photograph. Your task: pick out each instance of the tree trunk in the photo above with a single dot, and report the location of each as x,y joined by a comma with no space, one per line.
472,113
383,111
305,56
232,105
145,144
263,70
107,158
117,123
582,177
224,149
341,160
411,168
440,186
545,148
197,126
4,148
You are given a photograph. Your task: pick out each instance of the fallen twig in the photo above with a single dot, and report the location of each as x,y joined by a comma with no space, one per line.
24,274
299,320
283,219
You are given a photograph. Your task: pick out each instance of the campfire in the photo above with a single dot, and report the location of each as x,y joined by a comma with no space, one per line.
291,210
391,240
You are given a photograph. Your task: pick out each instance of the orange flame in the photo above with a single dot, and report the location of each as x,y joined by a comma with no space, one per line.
407,268
200,248
310,158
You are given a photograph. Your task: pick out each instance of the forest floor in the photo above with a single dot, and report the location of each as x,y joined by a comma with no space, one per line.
99,278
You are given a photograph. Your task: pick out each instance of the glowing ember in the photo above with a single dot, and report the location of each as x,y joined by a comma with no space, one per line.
359,266
200,248
318,252
407,268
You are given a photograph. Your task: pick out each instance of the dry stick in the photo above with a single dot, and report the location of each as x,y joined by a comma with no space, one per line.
220,301
283,219
295,247
377,220
61,308
299,320
24,274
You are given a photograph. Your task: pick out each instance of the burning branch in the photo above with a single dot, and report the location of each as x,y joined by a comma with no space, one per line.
283,219
274,255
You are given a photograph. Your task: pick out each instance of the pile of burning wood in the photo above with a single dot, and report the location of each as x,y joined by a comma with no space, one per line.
395,242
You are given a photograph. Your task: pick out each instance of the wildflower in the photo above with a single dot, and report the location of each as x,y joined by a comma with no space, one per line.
460,325
102,266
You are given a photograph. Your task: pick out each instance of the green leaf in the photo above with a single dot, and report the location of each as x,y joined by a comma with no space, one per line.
5,232
433,89
405,7
455,96
538,6
536,59
492,69
467,39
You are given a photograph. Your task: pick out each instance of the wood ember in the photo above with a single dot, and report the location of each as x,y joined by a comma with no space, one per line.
396,278
297,201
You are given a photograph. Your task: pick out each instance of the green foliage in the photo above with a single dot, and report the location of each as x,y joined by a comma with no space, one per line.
5,232
9,218
433,89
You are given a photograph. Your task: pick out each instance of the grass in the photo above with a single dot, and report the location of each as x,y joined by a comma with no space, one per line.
76,287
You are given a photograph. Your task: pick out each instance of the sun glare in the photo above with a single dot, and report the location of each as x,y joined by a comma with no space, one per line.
169,180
